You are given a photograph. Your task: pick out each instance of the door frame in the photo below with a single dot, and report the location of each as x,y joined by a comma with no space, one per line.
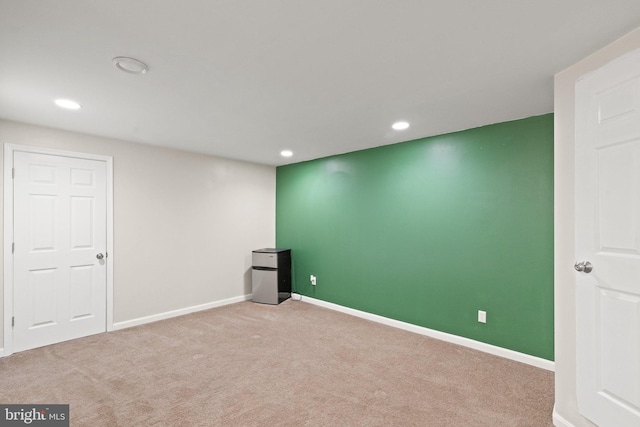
9,149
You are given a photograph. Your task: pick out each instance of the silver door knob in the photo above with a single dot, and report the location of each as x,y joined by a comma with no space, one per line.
585,266
99,256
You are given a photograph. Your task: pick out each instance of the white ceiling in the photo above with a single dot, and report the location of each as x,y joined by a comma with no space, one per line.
245,79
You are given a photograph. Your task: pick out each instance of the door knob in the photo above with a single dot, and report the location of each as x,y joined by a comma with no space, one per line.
585,266
99,256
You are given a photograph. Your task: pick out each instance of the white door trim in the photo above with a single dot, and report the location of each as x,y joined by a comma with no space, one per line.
9,149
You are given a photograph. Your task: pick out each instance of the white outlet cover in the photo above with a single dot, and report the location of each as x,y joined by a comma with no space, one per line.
482,316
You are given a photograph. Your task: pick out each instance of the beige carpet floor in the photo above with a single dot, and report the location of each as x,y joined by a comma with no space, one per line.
294,364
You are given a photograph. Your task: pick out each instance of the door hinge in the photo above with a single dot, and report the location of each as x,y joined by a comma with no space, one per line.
13,321
13,172
13,247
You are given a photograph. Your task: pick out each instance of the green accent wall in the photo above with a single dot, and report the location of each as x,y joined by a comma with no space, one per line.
431,231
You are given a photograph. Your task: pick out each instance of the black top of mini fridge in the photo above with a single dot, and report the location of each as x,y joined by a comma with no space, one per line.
271,250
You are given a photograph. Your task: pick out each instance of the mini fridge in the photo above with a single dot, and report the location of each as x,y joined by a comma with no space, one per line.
271,275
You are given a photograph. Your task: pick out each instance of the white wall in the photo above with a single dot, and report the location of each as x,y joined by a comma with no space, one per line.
184,224
565,311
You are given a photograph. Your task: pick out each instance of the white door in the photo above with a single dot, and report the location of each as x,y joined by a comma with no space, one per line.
59,288
608,236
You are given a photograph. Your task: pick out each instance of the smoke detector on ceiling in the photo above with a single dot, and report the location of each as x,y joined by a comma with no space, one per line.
130,65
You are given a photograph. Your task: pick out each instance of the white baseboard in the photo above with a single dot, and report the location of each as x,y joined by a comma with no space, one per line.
1,352
466,342
559,421
179,312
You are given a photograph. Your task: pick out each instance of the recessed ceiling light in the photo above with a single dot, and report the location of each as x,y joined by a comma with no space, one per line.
130,65
68,104
286,153
400,125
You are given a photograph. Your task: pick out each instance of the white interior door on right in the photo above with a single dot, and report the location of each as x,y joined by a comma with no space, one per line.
607,243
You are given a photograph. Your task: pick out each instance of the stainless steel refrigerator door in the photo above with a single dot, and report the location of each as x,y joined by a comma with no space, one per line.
264,259
265,286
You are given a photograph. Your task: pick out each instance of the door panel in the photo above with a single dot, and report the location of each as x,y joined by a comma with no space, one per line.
82,177
619,343
81,224
42,212
59,289
618,198
42,295
608,235
81,290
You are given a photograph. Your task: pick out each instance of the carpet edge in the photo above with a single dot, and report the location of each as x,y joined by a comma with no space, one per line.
179,312
443,336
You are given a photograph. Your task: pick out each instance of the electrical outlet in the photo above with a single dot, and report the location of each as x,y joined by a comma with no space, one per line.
313,280
482,316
